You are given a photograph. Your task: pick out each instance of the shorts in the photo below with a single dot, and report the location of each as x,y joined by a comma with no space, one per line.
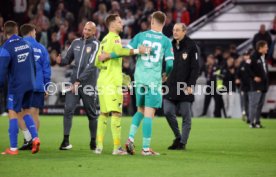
37,100
111,99
148,97
19,101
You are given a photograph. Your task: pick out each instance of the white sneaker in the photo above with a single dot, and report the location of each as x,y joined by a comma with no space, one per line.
149,152
98,151
119,151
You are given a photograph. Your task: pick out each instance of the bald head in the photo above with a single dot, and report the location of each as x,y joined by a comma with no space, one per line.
89,29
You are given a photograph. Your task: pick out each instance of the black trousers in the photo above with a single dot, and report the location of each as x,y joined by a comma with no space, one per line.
91,105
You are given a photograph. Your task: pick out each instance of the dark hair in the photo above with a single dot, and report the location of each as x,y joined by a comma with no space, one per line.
159,16
260,44
10,27
110,18
26,29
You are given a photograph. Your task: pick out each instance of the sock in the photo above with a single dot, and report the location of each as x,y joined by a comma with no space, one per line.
27,135
147,127
136,120
116,131
13,133
30,125
102,122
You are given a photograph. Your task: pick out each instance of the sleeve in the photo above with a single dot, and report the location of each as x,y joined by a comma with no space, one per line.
253,69
89,69
194,66
69,55
4,64
133,44
97,62
46,67
169,51
118,50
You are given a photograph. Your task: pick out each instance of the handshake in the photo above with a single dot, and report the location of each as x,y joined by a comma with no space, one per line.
142,50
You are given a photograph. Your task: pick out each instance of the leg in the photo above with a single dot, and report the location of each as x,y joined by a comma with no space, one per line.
170,113
13,133
27,145
254,99
147,127
116,129
207,101
186,113
259,109
71,101
136,120
246,105
92,110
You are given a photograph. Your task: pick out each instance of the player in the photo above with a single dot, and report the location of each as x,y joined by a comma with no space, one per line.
17,61
148,79
110,82
43,76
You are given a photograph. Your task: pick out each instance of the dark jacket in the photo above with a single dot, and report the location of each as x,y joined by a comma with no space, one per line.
228,79
243,74
83,52
257,70
185,69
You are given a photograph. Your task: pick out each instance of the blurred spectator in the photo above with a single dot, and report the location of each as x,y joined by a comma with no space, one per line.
181,15
262,35
86,11
1,30
168,28
57,20
54,44
229,82
233,51
206,7
19,9
192,9
101,13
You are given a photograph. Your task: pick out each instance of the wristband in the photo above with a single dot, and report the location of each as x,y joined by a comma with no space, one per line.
136,51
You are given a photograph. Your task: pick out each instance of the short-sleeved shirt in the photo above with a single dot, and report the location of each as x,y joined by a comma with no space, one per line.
149,67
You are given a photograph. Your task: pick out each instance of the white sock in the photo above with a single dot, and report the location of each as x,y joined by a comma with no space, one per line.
27,135
13,149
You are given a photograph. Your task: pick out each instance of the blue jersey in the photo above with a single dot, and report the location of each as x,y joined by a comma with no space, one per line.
42,61
17,62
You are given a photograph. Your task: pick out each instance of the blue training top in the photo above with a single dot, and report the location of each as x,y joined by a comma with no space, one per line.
17,62
42,61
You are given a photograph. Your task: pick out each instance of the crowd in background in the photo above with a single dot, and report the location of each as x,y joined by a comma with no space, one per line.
60,22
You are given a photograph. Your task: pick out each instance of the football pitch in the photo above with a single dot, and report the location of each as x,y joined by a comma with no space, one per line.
217,148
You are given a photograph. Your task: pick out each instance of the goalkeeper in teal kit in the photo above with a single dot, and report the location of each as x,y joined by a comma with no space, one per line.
148,79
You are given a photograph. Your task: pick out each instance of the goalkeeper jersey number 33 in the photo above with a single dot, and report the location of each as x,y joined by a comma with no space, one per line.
149,67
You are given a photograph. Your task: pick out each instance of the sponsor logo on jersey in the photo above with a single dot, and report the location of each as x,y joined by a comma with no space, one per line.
117,41
37,57
22,47
22,57
37,50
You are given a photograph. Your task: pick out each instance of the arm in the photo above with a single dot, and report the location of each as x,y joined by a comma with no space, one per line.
46,68
194,67
69,56
4,64
169,57
89,69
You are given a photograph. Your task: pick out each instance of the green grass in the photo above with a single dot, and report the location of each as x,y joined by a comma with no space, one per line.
217,148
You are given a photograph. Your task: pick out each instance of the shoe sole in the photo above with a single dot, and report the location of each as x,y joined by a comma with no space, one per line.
67,147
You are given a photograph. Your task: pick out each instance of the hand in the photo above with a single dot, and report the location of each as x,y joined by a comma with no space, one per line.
46,95
164,77
144,49
257,79
238,81
74,87
104,56
188,91
58,59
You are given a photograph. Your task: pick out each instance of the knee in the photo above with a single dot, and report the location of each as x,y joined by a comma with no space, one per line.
69,109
